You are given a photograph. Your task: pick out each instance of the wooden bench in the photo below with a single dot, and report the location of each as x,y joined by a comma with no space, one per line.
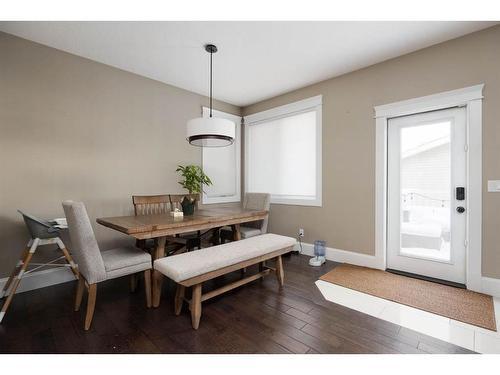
194,268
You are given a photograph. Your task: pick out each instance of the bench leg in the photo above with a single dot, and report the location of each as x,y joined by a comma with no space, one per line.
179,298
280,275
262,267
196,306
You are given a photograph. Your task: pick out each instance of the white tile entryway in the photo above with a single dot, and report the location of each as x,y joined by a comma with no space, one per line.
465,335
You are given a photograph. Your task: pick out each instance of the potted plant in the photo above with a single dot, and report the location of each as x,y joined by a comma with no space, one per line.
193,181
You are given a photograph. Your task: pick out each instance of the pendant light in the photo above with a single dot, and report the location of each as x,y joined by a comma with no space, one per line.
210,131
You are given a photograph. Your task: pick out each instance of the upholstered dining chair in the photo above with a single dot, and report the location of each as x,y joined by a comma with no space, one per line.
252,201
96,266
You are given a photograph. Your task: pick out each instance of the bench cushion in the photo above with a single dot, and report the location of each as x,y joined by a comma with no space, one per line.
185,266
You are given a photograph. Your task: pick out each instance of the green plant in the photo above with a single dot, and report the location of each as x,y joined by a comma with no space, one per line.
194,178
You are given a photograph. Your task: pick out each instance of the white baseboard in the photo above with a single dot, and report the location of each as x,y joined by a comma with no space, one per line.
490,286
41,279
342,256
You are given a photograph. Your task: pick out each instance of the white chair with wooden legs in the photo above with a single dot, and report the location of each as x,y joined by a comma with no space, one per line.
96,266
42,233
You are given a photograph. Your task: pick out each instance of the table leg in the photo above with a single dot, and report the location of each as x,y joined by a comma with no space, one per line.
236,232
160,248
158,276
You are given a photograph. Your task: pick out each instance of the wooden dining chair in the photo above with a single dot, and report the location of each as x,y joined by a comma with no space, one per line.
149,205
188,240
163,204
96,266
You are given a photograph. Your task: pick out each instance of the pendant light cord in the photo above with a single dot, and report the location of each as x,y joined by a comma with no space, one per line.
211,53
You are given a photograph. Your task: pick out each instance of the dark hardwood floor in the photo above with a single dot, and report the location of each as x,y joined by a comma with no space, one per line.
257,318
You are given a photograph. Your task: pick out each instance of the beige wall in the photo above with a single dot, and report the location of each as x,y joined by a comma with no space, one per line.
71,128
346,220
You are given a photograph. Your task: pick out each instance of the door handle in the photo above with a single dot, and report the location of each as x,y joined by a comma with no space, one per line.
460,209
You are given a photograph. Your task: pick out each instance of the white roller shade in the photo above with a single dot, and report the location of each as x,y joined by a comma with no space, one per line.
283,156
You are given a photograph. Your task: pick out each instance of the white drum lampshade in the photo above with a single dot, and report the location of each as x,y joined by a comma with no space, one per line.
210,132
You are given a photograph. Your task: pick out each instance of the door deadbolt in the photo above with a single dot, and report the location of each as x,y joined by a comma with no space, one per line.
460,209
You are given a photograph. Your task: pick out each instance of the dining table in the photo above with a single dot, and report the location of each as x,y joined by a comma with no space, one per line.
162,226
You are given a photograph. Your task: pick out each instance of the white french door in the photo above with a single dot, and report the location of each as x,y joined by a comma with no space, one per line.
426,194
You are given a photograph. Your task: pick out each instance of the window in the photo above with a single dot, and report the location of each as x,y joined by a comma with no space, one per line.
283,153
223,165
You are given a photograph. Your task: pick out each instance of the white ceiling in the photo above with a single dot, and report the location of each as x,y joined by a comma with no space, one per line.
256,60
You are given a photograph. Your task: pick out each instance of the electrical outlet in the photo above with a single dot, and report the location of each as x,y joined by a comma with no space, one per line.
301,232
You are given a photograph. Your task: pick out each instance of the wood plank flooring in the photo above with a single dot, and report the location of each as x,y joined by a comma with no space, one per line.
257,318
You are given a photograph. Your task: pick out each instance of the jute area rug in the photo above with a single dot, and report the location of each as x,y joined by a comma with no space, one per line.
454,303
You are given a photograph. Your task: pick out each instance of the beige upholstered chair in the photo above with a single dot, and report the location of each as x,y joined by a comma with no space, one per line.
96,266
253,201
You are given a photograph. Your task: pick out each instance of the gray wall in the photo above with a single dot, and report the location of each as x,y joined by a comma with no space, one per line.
71,128
347,218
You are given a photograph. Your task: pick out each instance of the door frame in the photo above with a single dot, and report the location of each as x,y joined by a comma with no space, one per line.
470,98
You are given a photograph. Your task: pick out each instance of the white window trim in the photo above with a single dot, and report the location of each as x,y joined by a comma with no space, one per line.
237,120
306,105
471,99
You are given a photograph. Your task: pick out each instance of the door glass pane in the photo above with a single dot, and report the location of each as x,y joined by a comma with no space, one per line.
426,191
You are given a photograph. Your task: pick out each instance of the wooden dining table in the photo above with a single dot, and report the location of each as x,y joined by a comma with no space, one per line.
162,226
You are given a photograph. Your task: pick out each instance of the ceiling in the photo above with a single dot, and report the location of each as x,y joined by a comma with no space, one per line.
256,60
